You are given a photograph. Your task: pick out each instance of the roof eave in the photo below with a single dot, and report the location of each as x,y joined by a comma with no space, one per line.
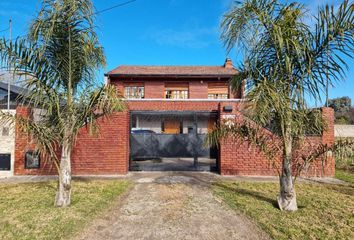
171,75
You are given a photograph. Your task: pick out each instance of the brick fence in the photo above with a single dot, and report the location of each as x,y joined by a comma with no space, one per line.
242,158
108,151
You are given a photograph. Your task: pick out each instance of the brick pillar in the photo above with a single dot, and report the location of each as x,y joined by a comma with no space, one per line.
328,133
328,138
21,141
227,159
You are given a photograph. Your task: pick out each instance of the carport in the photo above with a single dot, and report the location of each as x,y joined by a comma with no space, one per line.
171,141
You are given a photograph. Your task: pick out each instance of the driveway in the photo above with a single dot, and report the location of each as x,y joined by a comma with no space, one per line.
172,206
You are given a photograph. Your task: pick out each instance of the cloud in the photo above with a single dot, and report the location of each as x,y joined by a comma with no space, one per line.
191,38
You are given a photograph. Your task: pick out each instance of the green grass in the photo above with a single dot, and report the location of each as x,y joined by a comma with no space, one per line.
27,210
325,211
345,175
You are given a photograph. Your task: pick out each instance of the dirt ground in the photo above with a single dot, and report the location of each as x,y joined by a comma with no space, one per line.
172,207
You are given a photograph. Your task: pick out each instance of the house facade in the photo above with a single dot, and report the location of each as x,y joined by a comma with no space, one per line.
169,111
7,131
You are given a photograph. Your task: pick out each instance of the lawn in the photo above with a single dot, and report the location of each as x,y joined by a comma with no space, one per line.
27,210
325,211
345,175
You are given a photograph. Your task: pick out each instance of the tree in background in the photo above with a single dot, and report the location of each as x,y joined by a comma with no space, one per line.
285,61
60,59
343,109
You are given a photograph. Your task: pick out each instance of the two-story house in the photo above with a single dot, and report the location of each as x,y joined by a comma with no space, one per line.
172,108
169,111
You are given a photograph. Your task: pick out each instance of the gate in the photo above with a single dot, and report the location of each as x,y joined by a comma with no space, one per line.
152,144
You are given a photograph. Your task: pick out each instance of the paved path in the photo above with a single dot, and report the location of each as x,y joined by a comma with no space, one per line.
172,206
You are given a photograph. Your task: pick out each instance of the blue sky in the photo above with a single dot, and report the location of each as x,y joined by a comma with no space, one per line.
159,32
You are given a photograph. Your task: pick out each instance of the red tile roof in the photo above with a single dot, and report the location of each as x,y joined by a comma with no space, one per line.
172,70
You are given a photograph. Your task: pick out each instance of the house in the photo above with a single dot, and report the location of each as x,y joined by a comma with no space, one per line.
7,132
170,109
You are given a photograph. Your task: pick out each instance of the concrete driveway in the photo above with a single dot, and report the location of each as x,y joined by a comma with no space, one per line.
172,206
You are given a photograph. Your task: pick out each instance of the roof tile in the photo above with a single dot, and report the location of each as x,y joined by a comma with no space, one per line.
173,70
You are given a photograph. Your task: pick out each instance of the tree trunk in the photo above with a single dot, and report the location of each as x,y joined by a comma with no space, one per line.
63,196
287,195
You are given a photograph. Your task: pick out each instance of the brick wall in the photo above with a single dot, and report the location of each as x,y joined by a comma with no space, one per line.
198,89
238,157
241,158
157,105
155,88
325,166
108,152
104,153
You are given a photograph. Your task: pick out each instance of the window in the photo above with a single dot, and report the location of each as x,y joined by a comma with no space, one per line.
176,90
134,91
217,96
248,86
5,131
5,162
3,94
32,160
172,126
218,90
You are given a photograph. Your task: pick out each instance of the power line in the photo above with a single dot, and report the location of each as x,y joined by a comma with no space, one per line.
115,6
95,13
4,30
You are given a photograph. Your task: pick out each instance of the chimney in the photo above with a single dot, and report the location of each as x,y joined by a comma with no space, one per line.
228,63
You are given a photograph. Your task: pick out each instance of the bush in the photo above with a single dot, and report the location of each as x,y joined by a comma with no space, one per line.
345,157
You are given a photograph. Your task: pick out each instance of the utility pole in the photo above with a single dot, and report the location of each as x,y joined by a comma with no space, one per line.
9,83
327,80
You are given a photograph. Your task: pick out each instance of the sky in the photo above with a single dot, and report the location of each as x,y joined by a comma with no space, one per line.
159,32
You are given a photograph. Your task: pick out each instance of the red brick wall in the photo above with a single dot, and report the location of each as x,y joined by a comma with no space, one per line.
108,153
155,88
156,105
242,158
105,153
119,86
324,166
198,89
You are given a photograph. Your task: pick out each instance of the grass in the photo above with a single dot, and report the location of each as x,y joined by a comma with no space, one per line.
27,210
325,211
345,175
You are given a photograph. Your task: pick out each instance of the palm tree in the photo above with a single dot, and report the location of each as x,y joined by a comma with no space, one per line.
286,62
59,60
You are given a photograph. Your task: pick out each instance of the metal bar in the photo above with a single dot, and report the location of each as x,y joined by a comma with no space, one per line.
179,113
130,141
9,84
195,151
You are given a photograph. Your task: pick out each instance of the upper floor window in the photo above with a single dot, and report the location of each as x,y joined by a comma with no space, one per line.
136,91
176,90
248,85
218,90
3,94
